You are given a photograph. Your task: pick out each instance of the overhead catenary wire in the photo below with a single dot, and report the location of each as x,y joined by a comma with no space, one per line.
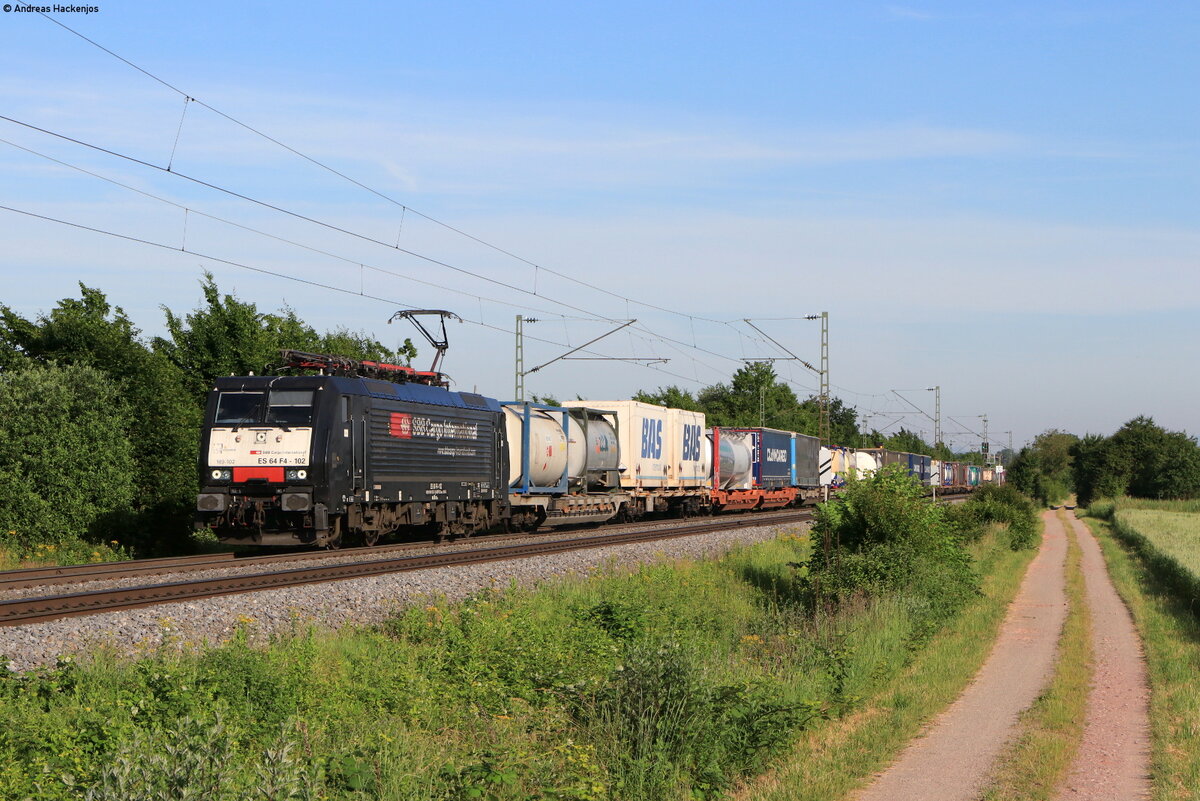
404,210
290,213
259,232
337,228
360,236
265,271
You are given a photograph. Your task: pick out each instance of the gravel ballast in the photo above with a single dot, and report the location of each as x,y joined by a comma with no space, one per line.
360,601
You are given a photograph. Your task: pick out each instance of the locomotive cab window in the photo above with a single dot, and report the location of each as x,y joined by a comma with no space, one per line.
290,407
239,408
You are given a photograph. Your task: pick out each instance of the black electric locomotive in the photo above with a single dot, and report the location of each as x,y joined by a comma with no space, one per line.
313,459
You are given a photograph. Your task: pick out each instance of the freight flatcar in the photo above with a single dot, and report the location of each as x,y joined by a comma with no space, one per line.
363,450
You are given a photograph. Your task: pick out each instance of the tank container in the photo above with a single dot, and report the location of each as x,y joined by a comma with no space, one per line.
535,432
592,445
866,462
735,460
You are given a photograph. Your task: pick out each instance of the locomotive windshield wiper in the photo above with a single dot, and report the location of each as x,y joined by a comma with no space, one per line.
250,418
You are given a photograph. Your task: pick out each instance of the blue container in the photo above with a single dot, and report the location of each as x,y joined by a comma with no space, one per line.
919,466
773,459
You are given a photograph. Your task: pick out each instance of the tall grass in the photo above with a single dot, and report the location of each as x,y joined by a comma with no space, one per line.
1174,534
669,681
1190,506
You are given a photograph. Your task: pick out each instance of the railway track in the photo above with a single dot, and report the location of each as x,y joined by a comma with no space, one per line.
116,571
22,611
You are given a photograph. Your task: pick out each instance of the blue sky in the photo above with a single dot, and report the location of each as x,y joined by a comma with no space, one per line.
1001,201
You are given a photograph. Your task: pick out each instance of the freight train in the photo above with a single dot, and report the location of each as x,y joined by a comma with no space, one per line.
362,450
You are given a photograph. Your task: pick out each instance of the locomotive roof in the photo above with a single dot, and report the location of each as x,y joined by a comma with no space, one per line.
414,393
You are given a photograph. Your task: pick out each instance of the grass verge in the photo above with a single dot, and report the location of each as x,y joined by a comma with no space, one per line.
1051,730
1171,637
830,762
667,681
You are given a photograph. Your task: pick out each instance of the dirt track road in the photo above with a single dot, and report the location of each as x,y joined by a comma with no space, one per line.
1114,756
954,758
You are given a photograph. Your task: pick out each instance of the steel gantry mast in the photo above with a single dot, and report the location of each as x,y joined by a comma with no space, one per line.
521,372
824,429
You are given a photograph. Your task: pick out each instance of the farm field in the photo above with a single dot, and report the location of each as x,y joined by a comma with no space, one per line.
1174,533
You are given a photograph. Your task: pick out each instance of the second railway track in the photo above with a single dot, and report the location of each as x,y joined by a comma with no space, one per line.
21,611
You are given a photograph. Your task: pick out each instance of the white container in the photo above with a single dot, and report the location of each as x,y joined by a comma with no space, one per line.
660,447
547,445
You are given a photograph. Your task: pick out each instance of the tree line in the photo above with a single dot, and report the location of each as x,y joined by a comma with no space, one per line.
755,396
1141,459
99,425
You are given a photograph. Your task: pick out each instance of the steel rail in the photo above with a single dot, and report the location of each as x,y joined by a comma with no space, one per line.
23,611
115,571
97,571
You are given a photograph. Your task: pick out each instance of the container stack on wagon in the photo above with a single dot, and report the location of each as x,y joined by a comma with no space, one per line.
367,450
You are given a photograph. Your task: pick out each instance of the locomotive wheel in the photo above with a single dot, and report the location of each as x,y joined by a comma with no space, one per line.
334,541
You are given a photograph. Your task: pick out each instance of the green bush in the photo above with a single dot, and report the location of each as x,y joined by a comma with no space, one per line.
674,680
66,466
997,504
665,717
882,535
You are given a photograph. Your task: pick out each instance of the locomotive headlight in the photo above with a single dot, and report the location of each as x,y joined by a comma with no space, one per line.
301,474
216,474
222,475
296,475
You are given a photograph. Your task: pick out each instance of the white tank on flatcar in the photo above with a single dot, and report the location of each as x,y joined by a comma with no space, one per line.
735,460
547,445
865,463
591,444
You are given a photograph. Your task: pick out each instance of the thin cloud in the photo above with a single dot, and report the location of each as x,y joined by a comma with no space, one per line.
904,12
